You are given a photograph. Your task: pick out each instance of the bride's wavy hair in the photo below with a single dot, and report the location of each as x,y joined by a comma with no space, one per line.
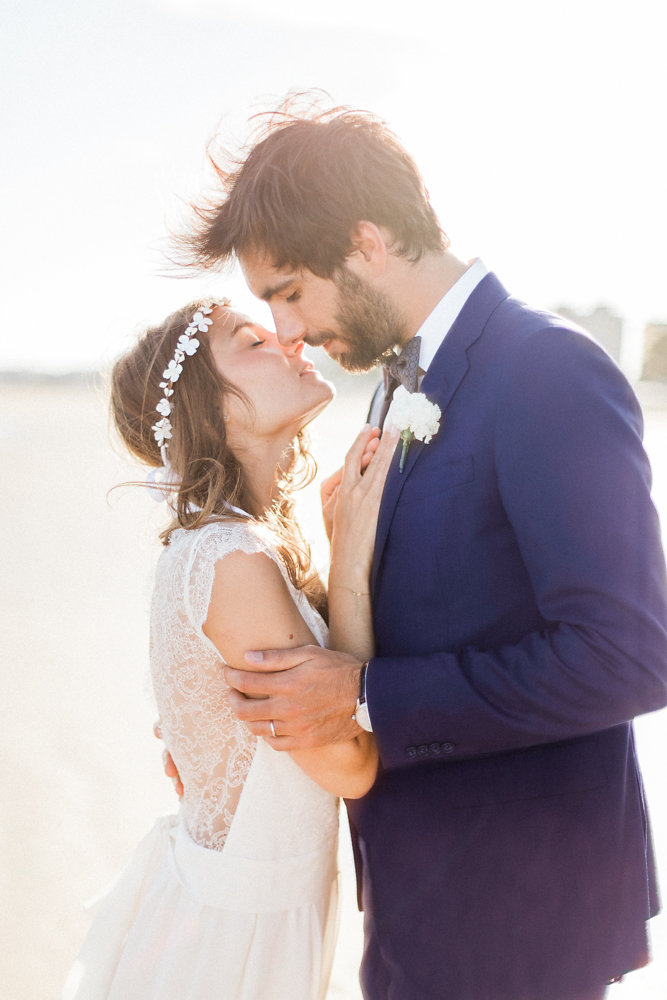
209,475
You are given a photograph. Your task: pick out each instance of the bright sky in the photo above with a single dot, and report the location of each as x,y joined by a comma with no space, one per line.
540,131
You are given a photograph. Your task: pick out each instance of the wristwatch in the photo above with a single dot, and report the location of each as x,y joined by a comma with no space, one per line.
361,716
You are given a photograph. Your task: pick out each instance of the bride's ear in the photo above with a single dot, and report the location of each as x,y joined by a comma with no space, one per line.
370,250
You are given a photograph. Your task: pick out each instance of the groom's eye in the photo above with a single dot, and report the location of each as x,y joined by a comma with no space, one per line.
293,297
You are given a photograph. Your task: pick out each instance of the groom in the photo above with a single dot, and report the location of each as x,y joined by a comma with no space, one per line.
518,590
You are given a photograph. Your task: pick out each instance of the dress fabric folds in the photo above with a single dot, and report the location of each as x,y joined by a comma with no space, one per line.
243,909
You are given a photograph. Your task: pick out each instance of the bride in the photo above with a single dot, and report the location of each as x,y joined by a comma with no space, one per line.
235,897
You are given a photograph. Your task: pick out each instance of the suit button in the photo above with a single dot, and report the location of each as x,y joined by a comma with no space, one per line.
448,747
435,749
411,751
422,750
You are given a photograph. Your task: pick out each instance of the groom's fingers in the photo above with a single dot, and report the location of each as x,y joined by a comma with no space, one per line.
264,674
257,714
251,709
268,660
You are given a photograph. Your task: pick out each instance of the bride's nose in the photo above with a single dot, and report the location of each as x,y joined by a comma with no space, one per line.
293,350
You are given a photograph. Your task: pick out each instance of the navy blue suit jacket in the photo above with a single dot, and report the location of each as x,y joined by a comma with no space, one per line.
520,616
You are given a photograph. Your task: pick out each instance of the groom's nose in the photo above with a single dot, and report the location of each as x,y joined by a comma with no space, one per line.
290,329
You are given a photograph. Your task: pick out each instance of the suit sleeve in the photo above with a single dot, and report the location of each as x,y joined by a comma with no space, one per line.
574,482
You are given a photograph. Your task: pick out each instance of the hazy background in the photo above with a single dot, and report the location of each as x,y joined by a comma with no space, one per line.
540,133
539,128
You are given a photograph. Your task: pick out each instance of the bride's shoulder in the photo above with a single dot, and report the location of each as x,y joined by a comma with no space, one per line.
217,538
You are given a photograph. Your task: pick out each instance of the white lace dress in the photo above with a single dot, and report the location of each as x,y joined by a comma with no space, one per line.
236,897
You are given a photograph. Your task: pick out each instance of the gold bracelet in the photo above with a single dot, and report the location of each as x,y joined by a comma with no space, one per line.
357,593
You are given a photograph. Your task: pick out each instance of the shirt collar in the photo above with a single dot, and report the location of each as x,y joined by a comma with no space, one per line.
439,322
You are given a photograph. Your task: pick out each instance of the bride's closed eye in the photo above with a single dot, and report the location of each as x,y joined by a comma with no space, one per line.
255,341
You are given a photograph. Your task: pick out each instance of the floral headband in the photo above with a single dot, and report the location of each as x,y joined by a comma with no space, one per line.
186,346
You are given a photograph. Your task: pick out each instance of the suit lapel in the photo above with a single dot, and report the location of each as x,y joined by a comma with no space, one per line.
444,376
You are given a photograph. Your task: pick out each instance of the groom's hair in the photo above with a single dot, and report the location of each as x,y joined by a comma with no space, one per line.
301,186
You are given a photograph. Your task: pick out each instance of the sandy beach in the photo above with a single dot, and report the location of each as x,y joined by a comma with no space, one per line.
82,771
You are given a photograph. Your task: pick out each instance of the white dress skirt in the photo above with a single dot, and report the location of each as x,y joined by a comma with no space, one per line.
183,922
235,898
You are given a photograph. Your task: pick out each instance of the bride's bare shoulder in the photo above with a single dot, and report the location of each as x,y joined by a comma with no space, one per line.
251,607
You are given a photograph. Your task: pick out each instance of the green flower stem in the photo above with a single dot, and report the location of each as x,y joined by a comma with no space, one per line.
406,438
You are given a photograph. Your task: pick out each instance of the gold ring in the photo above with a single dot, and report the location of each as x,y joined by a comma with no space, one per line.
273,728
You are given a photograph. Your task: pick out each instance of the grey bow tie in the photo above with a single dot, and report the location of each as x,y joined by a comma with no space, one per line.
403,368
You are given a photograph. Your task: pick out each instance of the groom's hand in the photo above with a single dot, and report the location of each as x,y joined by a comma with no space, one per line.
309,694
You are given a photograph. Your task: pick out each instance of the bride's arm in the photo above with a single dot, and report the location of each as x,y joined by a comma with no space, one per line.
353,526
251,608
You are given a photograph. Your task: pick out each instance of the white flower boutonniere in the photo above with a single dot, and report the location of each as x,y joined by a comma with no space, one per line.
414,416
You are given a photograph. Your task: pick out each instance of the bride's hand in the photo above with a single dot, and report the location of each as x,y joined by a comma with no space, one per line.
328,496
357,503
329,487
170,768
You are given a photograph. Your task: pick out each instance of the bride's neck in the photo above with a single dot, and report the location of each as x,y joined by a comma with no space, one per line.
262,465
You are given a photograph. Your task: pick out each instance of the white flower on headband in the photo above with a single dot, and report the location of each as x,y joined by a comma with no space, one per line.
172,372
186,345
162,482
200,320
162,431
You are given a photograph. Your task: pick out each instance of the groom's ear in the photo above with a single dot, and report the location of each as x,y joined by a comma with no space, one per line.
370,250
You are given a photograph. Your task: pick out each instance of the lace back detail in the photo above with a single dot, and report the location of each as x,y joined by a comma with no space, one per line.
211,748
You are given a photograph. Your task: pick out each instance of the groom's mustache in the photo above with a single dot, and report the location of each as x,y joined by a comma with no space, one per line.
317,339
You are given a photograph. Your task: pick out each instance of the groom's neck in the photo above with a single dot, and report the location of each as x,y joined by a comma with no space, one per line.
417,287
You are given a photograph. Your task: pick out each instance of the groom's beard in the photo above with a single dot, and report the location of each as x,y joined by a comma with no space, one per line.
367,322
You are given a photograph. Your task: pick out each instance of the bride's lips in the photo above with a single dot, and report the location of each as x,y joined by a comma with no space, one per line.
308,369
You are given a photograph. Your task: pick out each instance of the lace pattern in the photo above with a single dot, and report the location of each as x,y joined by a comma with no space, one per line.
211,748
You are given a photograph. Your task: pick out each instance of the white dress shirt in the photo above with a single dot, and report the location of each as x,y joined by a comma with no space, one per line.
439,322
